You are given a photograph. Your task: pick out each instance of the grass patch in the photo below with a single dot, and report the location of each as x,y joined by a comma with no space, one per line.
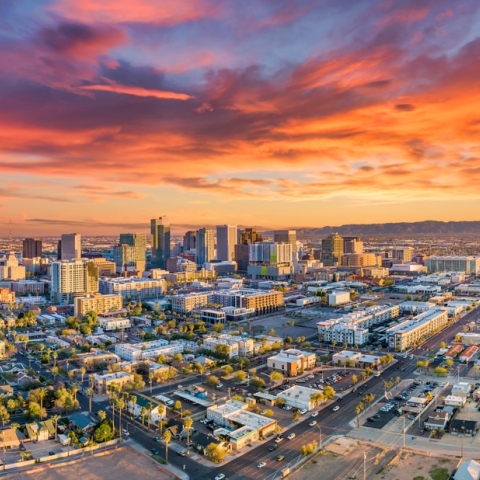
158,459
439,473
419,478
380,471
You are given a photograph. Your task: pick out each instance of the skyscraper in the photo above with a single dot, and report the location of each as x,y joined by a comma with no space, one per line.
226,239
248,236
32,248
352,245
205,245
286,236
160,230
332,250
139,242
189,241
71,246
72,278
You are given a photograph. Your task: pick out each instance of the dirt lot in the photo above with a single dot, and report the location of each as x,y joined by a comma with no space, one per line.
124,463
412,466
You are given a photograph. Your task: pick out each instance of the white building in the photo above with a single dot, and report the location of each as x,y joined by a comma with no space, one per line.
416,307
212,343
408,333
338,297
291,362
10,269
109,324
467,264
133,287
137,351
298,397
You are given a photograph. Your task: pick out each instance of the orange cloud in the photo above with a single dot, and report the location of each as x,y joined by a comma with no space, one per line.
137,91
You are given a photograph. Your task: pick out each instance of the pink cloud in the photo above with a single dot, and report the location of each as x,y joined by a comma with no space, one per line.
137,91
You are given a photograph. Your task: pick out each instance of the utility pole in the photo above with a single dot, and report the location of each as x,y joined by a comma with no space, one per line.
404,429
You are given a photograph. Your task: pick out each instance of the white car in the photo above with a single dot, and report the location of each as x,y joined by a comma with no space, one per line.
312,424
314,414
411,357
336,408
288,407
125,432
261,464
302,411
220,476
291,436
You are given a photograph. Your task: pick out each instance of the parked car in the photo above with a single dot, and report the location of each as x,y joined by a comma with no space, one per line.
155,451
291,436
314,414
183,453
272,447
125,432
313,423
220,476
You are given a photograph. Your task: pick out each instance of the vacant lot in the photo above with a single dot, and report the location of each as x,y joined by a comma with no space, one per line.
412,466
124,463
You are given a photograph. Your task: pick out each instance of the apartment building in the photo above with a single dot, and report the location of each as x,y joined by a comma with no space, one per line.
7,296
408,333
142,350
353,328
338,297
212,343
240,346
133,287
188,302
103,382
291,362
97,303
109,324
361,260
96,358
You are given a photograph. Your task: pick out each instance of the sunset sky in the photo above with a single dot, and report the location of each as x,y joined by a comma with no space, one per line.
259,112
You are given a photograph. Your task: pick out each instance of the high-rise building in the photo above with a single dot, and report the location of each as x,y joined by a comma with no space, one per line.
249,235
226,239
270,253
71,248
32,248
73,278
286,236
160,230
352,245
189,241
139,242
403,254
205,245
125,258
10,269
332,250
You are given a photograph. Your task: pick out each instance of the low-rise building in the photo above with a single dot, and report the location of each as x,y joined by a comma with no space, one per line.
298,397
102,382
97,358
454,401
469,338
291,362
468,354
109,324
97,303
468,470
143,402
338,297
355,359
461,389
133,287
437,421
230,345
143,350
7,296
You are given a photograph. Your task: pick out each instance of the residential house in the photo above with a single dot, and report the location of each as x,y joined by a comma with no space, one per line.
143,402
40,431
465,427
437,421
201,441
9,438
83,421
461,389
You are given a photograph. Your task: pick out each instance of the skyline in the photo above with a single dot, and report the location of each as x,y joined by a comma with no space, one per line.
288,115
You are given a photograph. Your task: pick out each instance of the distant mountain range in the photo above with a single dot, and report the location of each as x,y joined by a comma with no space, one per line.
428,227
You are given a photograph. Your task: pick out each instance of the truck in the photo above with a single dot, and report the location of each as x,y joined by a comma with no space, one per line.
167,401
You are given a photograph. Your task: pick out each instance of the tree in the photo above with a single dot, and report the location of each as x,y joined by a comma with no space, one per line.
143,413
177,406
329,393
297,415
309,448
101,414
448,363
187,424
239,376
215,452
103,432
316,398
90,392
167,437
4,415
354,379
218,327
226,371
358,411
443,345
55,419
257,382
212,381
272,332
440,372
161,412
54,372
83,371
363,375
268,413
150,379
275,377
25,455
42,393
476,368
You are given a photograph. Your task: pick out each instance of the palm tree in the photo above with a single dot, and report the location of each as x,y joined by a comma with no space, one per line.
83,371
161,412
149,410
54,372
56,418
42,393
476,368
90,395
41,348
187,423
101,414
91,377
132,399
358,410
167,437
74,390
120,406
150,378
55,356
143,412
113,401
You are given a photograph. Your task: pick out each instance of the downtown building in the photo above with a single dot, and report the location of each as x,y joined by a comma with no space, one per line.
205,239
270,261
98,303
160,230
32,248
131,252
226,240
468,264
143,350
354,328
70,247
133,288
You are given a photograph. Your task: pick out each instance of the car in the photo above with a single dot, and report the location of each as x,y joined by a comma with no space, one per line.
220,385
302,411
421,432
220,476
411,417
288,407
339,399
314,414
279,439
183,453
155,451
370,419
156,439
313,423
272,447
402,369
376,416
335,409
125,432
51,453
279,458
261,464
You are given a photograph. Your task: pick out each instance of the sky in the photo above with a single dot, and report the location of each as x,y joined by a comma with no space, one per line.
268,113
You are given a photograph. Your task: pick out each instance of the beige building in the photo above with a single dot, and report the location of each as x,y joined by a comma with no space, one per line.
96,358
102,382
189,302
110,324
98,303
105,267
10,269
291,362
376,272
7,296
361,260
